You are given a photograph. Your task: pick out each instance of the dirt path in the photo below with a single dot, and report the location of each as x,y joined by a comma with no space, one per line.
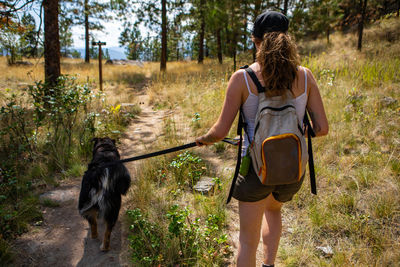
62,238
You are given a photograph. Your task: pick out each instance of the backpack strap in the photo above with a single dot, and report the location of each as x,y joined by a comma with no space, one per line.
239,154
253,76
310,133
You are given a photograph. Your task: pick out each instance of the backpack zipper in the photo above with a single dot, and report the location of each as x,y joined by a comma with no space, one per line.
274,109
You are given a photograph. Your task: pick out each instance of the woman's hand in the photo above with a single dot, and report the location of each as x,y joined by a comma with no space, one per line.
206,140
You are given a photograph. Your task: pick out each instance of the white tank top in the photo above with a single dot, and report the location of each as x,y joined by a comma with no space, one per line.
250,106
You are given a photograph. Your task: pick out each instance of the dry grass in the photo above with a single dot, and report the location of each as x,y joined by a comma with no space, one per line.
357,211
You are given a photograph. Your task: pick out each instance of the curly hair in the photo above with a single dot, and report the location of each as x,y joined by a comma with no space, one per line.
278,58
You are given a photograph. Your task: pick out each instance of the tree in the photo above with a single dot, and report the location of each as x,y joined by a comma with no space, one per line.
9,39
323,16
163,63
51,41
202,19
29,37
362,10
93,13
233,30
8,9
256,12
152,14
132,40
66,40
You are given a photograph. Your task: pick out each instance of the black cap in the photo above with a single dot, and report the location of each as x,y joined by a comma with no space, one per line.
270,21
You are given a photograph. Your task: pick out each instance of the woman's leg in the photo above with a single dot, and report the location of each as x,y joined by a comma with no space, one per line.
272,229
250,214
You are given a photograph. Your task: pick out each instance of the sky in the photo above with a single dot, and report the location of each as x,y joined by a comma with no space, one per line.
110,35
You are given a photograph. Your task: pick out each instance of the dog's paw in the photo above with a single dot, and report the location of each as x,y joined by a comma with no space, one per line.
104,248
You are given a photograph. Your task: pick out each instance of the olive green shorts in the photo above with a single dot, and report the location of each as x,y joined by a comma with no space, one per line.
250,189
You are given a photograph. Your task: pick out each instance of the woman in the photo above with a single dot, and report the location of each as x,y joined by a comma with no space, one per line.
277,67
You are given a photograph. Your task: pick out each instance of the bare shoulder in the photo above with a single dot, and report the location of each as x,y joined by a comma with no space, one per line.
237,78
310,75
311,81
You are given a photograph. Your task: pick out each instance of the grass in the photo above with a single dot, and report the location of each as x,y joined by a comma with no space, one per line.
357,210
182,227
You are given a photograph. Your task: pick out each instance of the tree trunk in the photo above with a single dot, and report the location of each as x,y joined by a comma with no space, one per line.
285,7
227,45
219,45
257,9
163,64
202,32
51,42
87,49
234,35
328,31
363,7
234,59
245,35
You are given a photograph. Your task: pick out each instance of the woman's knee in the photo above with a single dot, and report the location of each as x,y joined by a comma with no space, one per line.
249,241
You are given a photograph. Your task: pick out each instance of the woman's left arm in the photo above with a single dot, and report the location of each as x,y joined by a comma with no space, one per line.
233,100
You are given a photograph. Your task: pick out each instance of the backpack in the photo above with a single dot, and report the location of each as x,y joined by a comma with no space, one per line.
278,150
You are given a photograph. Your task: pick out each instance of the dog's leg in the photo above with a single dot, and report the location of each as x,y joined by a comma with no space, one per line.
105,246
93,223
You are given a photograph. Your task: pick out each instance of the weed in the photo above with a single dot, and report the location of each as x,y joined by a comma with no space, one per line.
186,165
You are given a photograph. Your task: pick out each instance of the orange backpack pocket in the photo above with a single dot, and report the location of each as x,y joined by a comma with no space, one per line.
281,158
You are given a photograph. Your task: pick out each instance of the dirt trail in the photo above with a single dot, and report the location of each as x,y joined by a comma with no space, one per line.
62,239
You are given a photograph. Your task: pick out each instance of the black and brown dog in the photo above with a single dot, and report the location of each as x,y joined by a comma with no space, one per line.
102,187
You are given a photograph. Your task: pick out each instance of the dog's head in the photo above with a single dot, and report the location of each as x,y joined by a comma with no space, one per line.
104,144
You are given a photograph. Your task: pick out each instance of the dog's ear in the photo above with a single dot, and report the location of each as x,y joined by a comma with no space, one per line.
95,140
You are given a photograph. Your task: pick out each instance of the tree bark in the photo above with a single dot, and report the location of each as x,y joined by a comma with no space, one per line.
363,7
163,63
202,32
245,34
328,32
219,45
257,9
234,35
285,7
51,42
87,49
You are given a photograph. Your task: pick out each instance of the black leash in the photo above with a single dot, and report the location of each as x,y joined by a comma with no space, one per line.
165,151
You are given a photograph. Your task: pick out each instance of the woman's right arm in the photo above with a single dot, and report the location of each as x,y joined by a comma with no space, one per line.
315,107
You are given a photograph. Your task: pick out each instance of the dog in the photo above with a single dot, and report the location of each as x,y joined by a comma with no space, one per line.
102,187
